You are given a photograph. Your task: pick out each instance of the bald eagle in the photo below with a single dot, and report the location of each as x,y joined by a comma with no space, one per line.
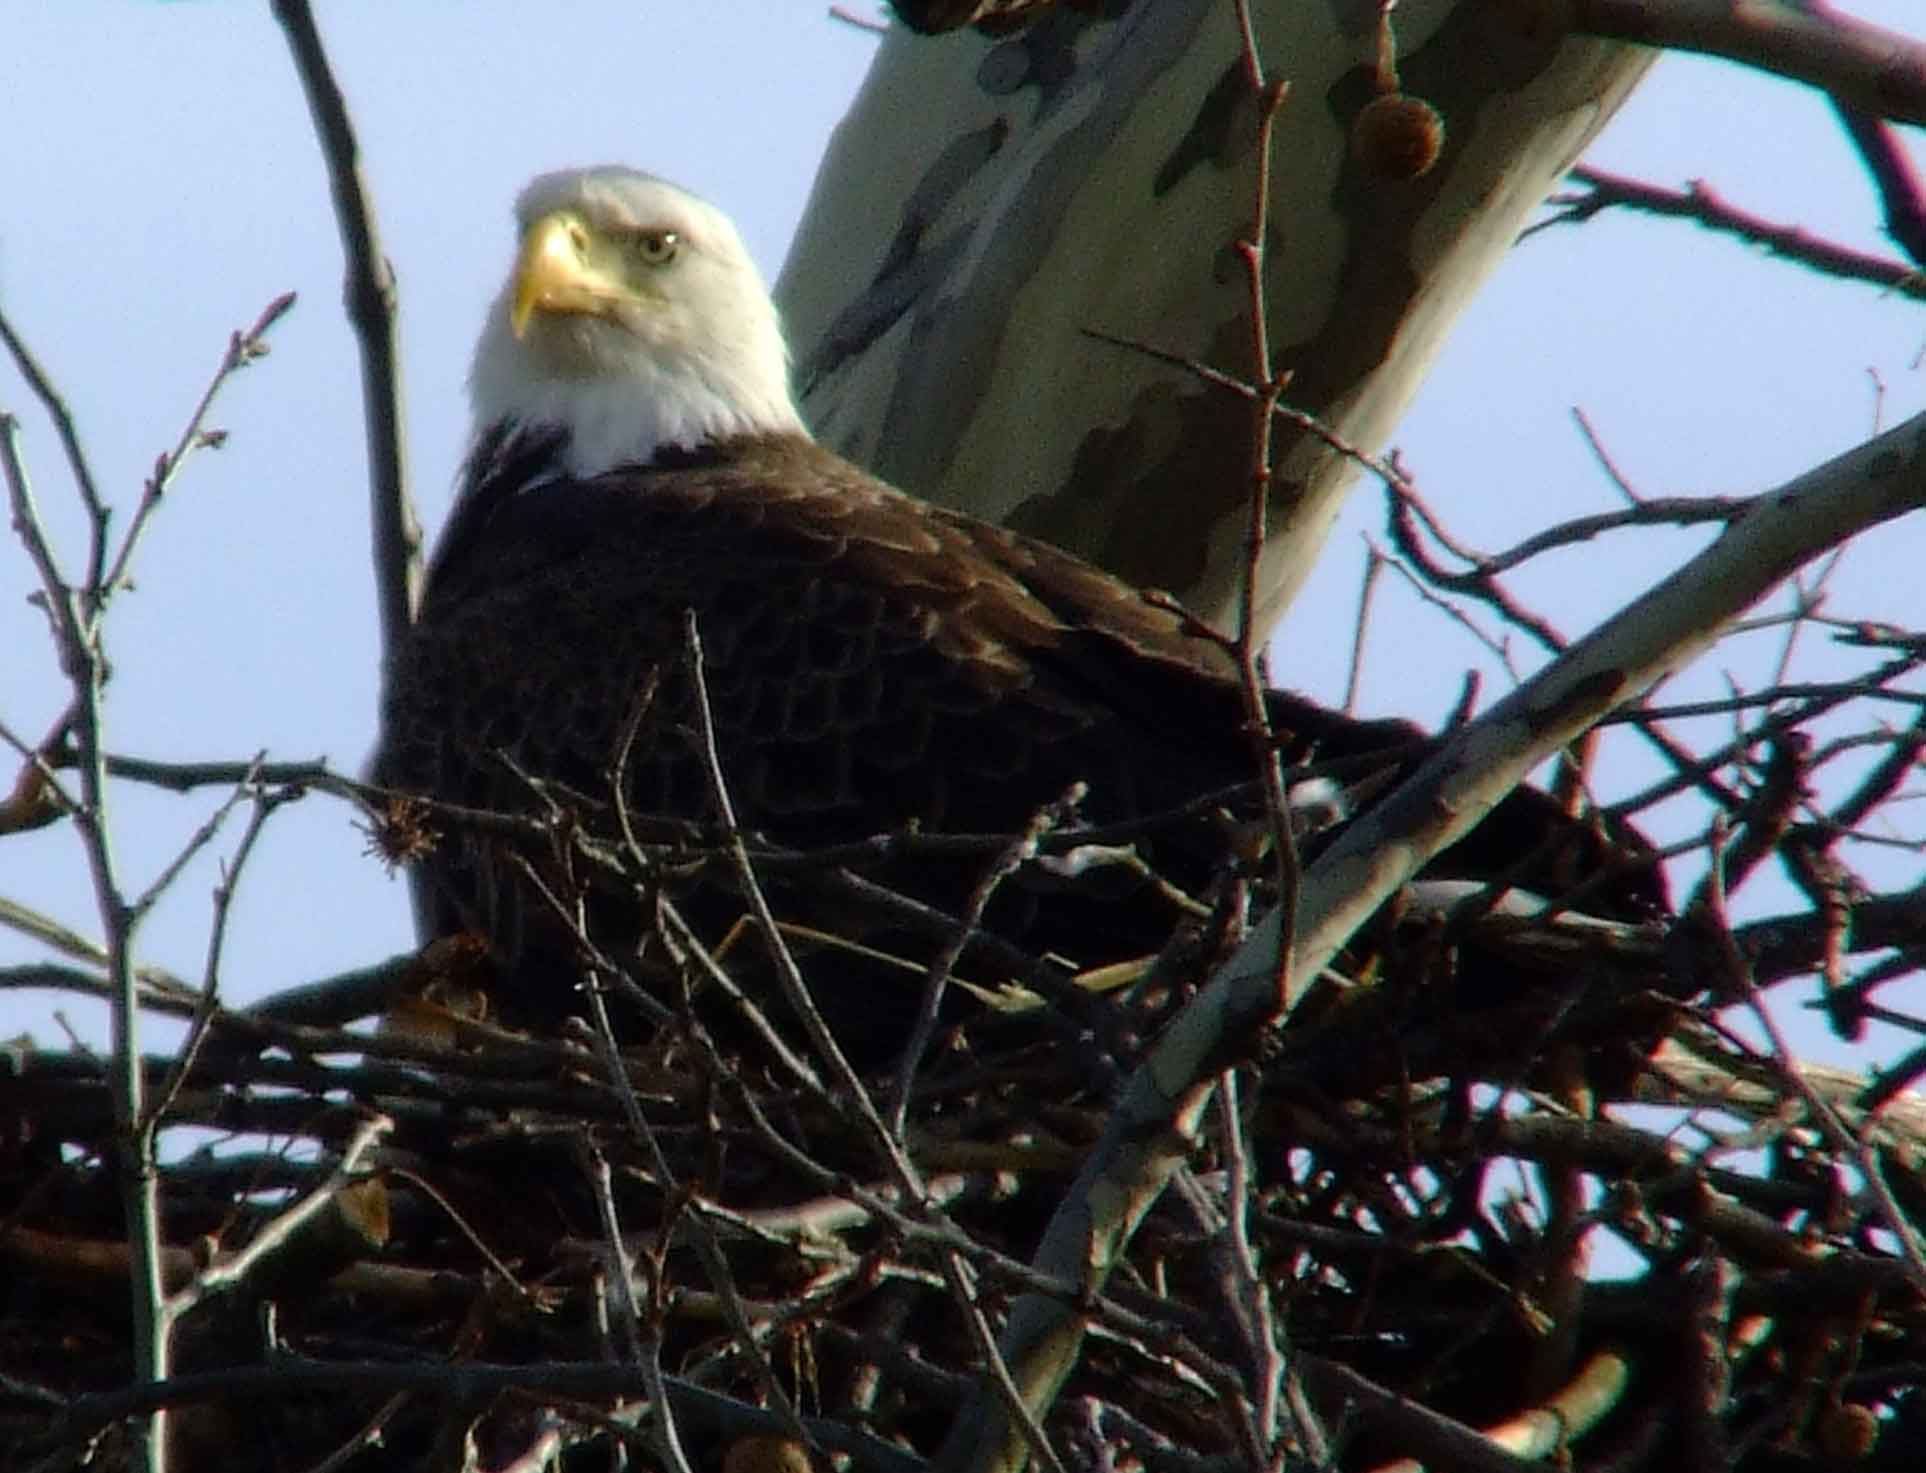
874,664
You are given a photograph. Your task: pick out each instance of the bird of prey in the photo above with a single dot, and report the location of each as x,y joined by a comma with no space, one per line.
874,664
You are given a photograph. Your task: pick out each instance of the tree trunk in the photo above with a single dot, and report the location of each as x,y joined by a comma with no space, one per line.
989,201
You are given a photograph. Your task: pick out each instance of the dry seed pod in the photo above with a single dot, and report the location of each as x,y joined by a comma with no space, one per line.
1398,136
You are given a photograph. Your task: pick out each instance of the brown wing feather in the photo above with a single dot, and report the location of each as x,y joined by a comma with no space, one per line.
872,662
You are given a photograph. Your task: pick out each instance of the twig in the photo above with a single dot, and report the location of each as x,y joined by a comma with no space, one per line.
184,777
1707,1331
1541,1432
1419,584
687,947
466,1383
1451,1442
857,22
1605,459
1848,1142
646,1350
851,1097
367,1437
196,842
640,1351
1816,693
1808,600
1029,1428
1699,203
468,1231
1373,566
1231,384
1902,196
1885,779
210,999
1014,856
1769,812
166,990
854,1098
244,347
1664,511
231,1271
55,405
1246,1294
1404,509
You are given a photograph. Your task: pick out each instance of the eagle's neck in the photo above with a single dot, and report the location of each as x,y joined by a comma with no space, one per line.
509,457
610,398
510,465
591,429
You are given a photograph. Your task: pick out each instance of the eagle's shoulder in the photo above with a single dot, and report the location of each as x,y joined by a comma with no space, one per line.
992,585
781,509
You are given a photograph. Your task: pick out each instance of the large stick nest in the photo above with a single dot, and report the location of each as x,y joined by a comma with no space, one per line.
1404,1220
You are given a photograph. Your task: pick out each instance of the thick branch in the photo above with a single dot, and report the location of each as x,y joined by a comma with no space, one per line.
1869,68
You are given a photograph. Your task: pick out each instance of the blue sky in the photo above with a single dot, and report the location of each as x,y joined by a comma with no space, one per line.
160,184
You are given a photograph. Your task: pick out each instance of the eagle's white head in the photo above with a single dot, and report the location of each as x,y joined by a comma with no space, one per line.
634,320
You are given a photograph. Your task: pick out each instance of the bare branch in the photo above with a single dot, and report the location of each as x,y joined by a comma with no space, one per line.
368,293
1902,196
1699,203
76,614
1877,71
56,407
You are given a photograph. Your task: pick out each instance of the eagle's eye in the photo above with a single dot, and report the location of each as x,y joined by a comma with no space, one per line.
657,247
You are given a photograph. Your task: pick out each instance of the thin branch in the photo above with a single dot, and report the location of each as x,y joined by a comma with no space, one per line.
1662,511
1009,1396
1247,644
646,1350
1902,195
55,406
164,990
210,999
468,1383
1374,562
1878,71
1699,203
851,1095
1606,461
1014,856
232,1271
184,856
1848,1142
1246,1294
1870,687
244,347
184,777
369,295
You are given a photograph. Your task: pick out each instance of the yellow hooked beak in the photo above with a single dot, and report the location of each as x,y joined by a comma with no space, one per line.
555,272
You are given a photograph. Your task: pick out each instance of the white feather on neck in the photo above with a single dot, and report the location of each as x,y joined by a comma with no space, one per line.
626,420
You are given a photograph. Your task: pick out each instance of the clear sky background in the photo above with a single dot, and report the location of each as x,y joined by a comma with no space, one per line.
159,184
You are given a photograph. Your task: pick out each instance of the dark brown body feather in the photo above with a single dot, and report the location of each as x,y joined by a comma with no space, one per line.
872,662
